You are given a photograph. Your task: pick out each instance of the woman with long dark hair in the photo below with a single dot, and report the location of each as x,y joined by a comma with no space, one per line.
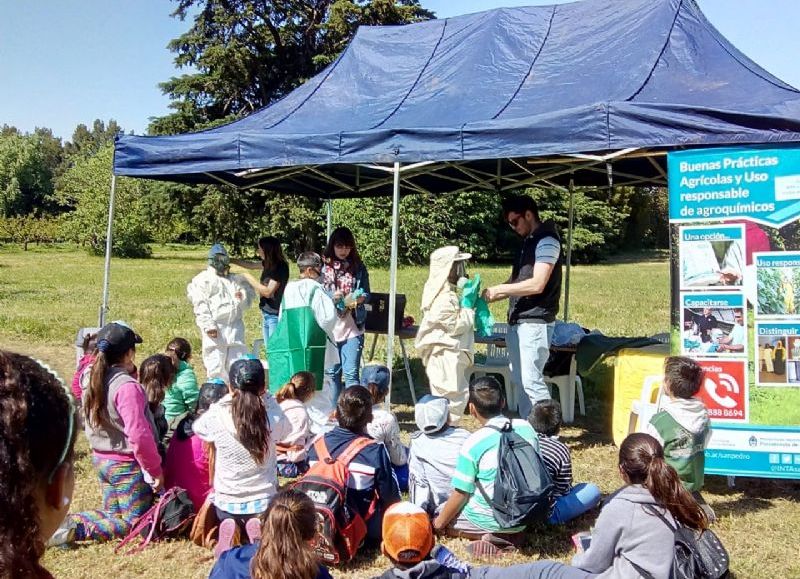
346,280
245,471
274,277
37,439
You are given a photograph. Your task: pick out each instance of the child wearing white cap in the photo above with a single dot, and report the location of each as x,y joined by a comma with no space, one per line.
433,453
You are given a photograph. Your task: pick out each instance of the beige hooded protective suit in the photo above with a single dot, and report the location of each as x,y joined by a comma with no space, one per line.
446,337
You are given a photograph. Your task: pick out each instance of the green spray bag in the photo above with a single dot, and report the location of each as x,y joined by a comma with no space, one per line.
471,298
297,344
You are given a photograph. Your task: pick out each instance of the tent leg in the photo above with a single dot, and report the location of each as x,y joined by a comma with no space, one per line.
329,221
569,247
107,272
393,276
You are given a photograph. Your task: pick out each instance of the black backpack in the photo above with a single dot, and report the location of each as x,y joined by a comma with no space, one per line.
522,486
698,555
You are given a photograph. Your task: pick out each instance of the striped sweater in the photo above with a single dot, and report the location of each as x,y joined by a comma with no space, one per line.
558,463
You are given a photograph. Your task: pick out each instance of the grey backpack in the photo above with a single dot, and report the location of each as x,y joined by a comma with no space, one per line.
522,486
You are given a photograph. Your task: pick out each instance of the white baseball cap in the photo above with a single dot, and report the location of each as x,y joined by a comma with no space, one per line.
431,413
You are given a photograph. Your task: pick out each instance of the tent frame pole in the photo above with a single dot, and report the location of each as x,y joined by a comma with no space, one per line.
569,246
329,219
393,276
107,271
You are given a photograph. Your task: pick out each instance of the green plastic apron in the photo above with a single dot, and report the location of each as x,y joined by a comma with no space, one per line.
297,344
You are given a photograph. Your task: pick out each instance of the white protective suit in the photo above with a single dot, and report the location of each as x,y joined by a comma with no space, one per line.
297,294
216,306
446,337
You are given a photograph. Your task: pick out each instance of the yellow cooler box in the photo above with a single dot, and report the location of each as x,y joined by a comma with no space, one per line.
631,368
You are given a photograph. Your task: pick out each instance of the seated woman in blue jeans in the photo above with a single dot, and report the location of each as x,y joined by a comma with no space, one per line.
346,280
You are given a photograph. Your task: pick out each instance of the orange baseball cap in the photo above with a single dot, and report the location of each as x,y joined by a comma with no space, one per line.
407,533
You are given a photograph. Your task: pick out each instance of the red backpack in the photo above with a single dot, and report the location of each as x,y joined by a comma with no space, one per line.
340,528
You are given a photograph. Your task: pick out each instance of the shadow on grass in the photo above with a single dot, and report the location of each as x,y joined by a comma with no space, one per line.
750,494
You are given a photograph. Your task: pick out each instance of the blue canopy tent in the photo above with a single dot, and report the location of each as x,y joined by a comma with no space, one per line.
498,100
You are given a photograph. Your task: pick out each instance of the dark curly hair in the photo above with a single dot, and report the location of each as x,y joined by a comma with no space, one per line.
35,415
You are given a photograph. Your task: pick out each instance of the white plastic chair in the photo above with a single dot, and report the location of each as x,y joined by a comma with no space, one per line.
649,403
497,363
566,394
568,385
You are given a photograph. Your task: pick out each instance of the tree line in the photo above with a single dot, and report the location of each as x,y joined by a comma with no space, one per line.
244,55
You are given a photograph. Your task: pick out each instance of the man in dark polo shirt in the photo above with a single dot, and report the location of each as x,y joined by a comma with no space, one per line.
533,291
705,323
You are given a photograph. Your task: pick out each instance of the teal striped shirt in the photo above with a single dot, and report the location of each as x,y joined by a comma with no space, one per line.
478,462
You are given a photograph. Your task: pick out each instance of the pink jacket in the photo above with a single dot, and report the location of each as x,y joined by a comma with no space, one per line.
187,467
84,363
135,423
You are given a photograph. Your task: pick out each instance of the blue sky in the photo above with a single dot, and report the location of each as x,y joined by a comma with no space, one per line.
66,62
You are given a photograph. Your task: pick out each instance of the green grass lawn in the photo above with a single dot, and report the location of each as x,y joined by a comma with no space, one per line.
47,293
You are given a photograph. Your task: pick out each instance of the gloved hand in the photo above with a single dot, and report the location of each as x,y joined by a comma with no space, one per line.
471,291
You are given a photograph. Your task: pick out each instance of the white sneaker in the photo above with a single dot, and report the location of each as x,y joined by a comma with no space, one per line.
64,534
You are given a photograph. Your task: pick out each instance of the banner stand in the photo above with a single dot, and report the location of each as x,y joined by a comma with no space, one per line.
736,300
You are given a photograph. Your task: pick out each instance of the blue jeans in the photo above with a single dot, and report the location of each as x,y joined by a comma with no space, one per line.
345,373
528,349
581,498
268,324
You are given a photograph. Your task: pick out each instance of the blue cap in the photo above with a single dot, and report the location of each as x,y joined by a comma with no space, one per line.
217,249
377,374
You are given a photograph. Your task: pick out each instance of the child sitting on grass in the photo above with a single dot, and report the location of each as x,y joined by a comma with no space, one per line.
290,522
293,448
38,427
384,427
121,434
372,486
409,545
245,469
433,453
567,501
467,513
187,462
81,377
156,374
181,397
682,425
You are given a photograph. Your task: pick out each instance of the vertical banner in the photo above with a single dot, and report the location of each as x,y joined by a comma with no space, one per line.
736,300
